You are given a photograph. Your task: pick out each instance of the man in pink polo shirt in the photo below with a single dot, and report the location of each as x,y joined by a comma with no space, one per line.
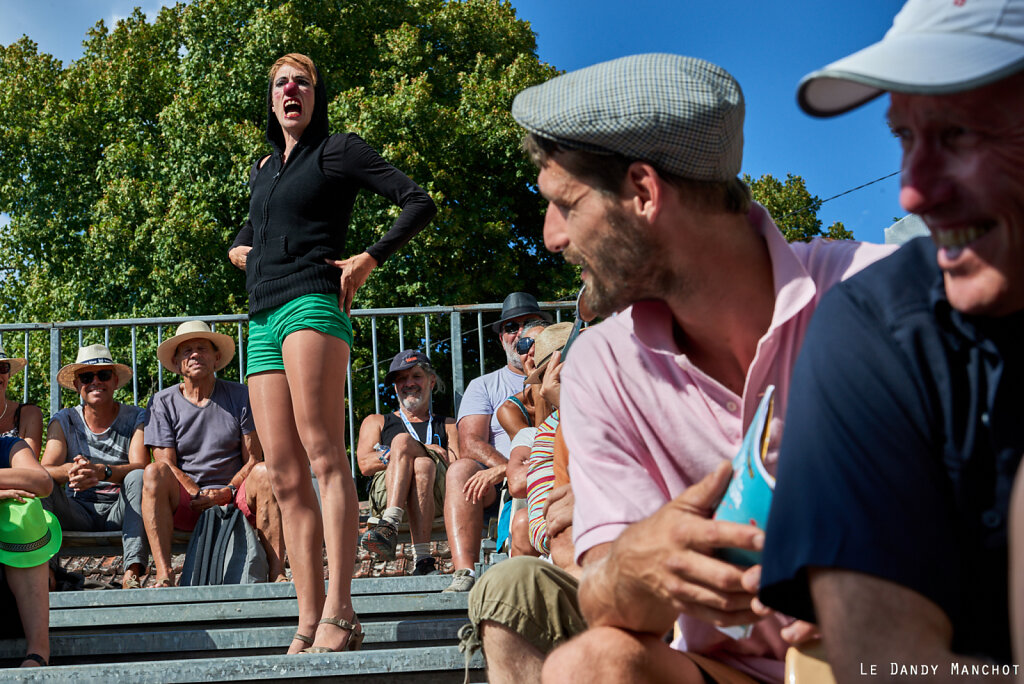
638,160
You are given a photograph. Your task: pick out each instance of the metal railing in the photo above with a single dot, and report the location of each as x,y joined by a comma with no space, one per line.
412,327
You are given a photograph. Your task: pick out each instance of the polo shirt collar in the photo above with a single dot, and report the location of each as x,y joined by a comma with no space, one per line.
794,290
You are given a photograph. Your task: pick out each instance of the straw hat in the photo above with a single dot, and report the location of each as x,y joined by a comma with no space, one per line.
29,535
17,364
547,343
190,330
93,357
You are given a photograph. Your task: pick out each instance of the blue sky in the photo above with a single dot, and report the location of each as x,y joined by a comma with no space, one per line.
768,47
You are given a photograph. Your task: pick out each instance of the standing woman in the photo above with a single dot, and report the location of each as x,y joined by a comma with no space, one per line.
24,421
300,294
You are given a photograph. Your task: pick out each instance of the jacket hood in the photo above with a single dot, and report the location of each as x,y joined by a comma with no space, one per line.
317,128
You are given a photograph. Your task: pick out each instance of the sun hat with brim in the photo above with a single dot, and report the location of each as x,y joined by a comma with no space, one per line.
17,364
552,339
681,114
29,535
189,330
93,357
519,304
935,47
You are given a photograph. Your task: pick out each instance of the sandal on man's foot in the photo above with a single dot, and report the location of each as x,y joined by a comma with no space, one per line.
381,541
355,639
299,636
130,582
163,583
39,660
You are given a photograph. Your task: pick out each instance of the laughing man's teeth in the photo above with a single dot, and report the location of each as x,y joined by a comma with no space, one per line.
961,237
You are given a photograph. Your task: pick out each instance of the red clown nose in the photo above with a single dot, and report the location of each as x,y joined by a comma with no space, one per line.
291,89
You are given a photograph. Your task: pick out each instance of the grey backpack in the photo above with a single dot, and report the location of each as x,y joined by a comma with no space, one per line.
224,549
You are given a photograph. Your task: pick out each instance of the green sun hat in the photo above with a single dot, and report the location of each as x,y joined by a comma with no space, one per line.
29,535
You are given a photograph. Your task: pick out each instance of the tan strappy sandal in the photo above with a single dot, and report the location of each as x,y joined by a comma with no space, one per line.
355,639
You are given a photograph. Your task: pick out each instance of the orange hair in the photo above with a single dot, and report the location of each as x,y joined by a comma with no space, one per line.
296,60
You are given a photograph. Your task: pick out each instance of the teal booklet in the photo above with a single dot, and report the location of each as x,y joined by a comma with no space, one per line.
749,496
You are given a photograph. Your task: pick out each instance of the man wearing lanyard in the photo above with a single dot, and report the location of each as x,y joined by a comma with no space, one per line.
407,453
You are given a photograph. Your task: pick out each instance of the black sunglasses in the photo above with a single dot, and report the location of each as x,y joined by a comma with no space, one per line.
104,375
4,368
523,345
512,327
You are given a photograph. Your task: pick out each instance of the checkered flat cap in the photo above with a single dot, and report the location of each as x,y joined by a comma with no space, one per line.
681,114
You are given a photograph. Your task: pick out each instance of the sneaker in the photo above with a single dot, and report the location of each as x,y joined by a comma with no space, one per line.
425,566
381,541
461,581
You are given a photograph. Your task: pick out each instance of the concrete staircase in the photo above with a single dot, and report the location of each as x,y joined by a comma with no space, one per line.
238,633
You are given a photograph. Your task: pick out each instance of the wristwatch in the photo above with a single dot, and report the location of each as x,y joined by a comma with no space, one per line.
107,473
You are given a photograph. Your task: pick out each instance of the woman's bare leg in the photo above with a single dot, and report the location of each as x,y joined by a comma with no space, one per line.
30,587
288,467
316,365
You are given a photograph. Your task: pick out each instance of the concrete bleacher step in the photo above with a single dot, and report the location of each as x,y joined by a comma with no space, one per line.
238,633
426,665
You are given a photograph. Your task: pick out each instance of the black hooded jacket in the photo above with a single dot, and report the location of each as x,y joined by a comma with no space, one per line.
299,211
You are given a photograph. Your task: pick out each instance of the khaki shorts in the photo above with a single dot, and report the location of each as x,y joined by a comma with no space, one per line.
379,492
531,597
538,600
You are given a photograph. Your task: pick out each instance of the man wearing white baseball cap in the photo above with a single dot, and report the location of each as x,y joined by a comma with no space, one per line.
889,523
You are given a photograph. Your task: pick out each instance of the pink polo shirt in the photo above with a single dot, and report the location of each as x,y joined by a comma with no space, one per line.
642,423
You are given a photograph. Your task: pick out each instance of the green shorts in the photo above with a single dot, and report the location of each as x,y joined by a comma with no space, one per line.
268,328
379,490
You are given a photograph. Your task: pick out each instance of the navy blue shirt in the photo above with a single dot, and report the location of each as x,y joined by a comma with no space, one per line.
904,431
5,450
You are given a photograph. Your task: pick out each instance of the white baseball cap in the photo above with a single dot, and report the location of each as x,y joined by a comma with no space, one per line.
934,47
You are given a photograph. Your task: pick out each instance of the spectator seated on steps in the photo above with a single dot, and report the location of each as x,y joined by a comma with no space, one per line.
536,357
474,479
16,419
902,554
524,607
407,453
205,450
639,160
95,454
29,537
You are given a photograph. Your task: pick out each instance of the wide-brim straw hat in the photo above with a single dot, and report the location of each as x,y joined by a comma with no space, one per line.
29,534
17,364
93,357
190,330
552,339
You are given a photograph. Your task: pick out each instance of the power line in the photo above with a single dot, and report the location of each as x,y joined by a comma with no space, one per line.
847,192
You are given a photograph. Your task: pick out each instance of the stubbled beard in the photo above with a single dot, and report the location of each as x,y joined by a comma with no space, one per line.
627,266
511,356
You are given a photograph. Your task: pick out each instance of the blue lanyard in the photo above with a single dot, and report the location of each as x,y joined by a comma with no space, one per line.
412,431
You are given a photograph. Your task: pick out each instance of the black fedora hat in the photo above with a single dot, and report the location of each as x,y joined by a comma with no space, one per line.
519,304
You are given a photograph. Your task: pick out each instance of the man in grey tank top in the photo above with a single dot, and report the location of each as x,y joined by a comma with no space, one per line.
95,455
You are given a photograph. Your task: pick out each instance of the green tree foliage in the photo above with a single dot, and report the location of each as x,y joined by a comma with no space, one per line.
125,172
794,209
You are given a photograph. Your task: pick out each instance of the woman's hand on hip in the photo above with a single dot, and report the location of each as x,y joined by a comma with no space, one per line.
354,272
239,255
